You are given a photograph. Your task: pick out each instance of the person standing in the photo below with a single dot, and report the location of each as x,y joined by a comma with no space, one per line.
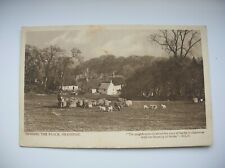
60,99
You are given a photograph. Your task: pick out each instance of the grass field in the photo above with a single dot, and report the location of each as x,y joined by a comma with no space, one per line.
42,114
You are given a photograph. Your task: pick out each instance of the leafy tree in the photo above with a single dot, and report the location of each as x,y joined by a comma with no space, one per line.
48,57
33,66
76,53
167,79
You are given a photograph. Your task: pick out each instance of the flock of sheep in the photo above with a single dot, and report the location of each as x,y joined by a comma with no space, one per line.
102,104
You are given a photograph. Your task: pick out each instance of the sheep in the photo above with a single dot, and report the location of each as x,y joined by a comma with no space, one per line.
110,109
146,107
117,106
86,103
102,108
153,107
100,102
128,103
90,105
122,102
80,103
94,102
72,103
163,106
107,102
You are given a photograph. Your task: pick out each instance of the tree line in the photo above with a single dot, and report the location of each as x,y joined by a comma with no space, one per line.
47,69
178,76
167,79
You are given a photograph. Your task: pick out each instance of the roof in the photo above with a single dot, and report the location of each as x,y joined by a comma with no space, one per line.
68,85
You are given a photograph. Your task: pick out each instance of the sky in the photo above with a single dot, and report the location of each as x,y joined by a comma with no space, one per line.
99,40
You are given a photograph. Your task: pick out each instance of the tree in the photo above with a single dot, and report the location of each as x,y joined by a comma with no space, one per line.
48,58
178,43
76,53
63,69
46,69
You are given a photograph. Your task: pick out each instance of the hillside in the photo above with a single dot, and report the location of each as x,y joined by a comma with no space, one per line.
112,65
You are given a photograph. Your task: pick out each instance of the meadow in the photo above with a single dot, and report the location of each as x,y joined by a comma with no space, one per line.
41,114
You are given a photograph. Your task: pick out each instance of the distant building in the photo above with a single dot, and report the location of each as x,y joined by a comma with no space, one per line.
69,88
109,88
93,91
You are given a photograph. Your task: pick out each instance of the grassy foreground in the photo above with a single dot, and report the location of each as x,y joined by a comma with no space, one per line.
41,114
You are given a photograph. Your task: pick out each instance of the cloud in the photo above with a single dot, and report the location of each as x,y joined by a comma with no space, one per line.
97,41
127,45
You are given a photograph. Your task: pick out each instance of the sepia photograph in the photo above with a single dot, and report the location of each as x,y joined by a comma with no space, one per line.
145,82
105,84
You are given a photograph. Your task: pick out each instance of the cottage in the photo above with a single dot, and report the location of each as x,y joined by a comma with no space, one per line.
69,88
109,88
93,91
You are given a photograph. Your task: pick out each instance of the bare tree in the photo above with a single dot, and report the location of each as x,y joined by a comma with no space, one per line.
178,43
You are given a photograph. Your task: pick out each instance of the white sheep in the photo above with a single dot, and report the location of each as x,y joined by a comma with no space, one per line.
128,103
102,108
110,109
90,105
201,100
163,106
146,107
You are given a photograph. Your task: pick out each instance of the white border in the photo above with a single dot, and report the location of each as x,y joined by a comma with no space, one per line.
118,139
